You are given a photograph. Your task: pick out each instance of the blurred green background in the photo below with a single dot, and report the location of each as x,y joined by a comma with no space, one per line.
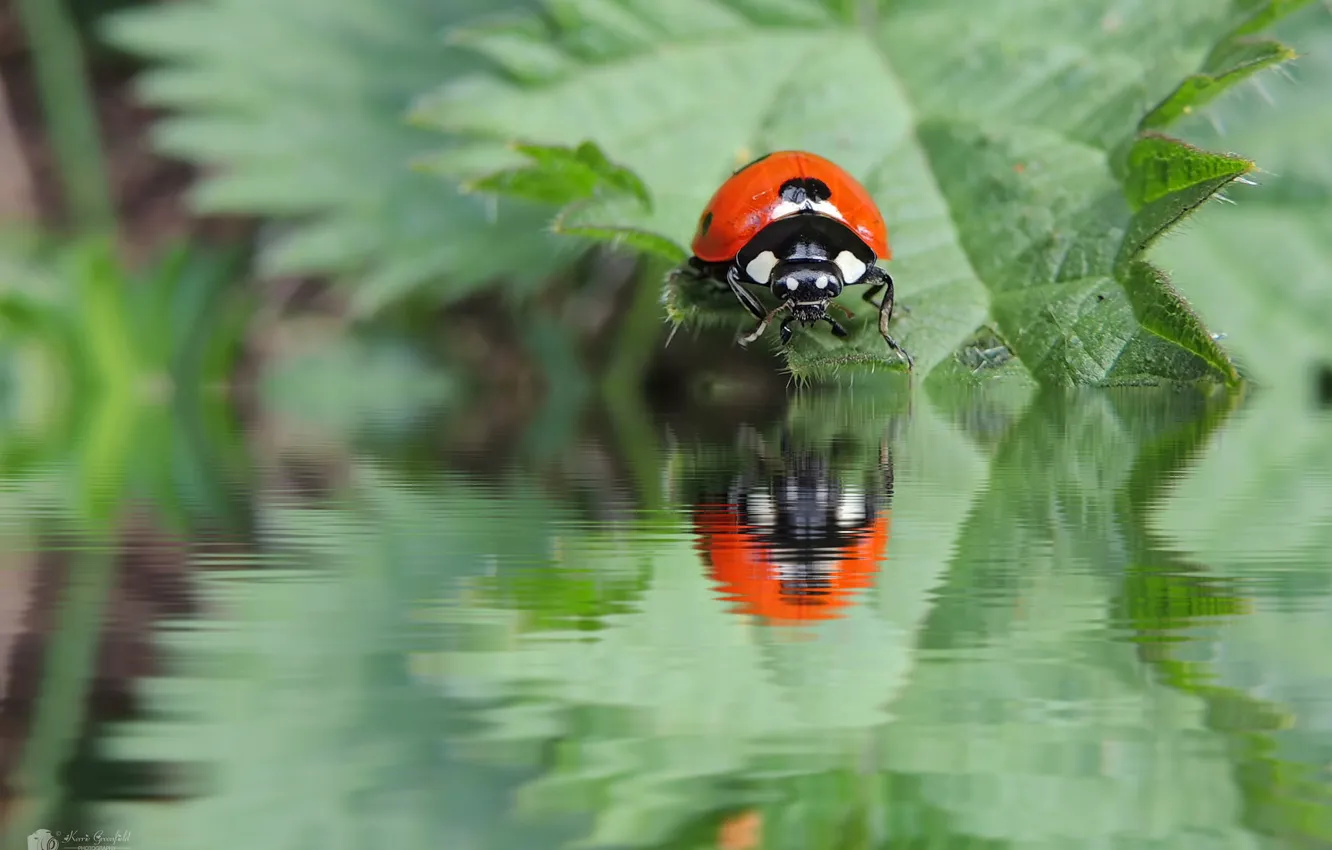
348,499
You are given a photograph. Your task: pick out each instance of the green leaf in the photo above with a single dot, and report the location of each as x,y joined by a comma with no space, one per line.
1163,169
295,112
1257,271
1057,244
989,137
1259,274
1236,57
1264,13
393,385
1229,63
560,174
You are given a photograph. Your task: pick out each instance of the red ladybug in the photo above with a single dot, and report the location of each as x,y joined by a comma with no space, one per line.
796,547
801,226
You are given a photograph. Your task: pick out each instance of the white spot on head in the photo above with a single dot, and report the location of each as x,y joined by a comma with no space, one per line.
852,268
851,507
760,268
825,207
785,208
791,284
822,282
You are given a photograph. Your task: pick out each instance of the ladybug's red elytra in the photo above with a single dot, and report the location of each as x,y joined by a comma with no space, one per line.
800,225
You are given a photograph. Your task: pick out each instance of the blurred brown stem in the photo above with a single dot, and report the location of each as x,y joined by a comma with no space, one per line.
16,196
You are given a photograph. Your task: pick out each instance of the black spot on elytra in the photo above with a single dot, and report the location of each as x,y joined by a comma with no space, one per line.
705,224
802,189
751,163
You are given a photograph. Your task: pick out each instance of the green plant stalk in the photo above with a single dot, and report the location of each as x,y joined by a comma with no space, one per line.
109,334
622,382
641,329
567,387
105,445
61,82
636,440
67,673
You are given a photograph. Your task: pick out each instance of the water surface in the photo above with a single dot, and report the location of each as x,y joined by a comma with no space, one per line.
1098,620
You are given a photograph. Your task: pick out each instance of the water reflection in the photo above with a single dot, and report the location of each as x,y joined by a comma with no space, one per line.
792,537
1060,645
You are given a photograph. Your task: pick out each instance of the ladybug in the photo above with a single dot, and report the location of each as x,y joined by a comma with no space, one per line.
796,545
799,225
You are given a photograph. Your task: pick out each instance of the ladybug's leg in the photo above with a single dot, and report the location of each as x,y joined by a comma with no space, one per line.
695,269
837,328
880,279
689,270
873,278
746,297
786,329
763,325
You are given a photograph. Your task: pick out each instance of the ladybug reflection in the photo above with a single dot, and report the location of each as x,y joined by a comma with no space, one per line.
797,545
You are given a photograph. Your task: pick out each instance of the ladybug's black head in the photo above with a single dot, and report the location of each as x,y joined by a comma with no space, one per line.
807,286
